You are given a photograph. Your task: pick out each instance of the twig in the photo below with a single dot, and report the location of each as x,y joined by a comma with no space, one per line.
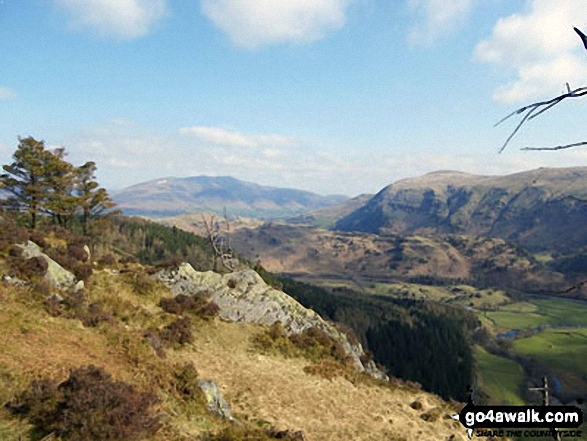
558,147
536,109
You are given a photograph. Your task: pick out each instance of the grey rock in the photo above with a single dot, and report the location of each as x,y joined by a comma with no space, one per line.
214,399
56,275
87,250
243,296
79,286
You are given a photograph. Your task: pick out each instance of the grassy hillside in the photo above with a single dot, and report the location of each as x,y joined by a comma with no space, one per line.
305,251
500,378
562,351
111,325
531,208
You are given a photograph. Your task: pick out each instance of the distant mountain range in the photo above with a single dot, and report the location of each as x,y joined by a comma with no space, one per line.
543,209
174,196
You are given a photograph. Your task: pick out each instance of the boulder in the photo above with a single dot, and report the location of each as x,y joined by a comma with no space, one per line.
214,399
56,275
243,296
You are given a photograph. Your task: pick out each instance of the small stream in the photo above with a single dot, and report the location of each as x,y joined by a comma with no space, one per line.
513,333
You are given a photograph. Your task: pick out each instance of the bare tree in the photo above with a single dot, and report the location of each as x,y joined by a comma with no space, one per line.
531,111
218,234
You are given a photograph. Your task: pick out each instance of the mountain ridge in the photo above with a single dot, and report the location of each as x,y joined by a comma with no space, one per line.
530,208
172,196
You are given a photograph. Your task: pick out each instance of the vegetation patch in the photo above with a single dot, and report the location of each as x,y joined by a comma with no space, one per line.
500,378
88,405
562,351
238,433
200,305
314,344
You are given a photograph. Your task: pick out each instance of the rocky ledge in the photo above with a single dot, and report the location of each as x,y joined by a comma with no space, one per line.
243,296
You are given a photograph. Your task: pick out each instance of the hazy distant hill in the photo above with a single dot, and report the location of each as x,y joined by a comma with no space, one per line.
172,196
328,216
538,209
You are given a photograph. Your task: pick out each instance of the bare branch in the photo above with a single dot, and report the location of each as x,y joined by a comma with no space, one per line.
220,242
533,110
558,147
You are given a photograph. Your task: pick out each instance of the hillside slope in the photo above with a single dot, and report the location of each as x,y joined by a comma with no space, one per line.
46,339
173,196
310,252
539,209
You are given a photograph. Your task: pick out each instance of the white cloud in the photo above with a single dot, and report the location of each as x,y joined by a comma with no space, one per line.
6,94
130,154
436,18
256,23
124,19
223,137
540,46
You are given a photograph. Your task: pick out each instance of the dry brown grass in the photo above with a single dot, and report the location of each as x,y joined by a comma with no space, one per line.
263,390
275,390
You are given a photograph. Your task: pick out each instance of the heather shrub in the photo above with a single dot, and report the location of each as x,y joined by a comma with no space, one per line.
178,331
75,302
313,343
94,315
53,306
107,260
38,238
275,341
200,305
186,381
28,268
177,305
154,340
140,282
317,344
89,405
11,234
83,272
78,252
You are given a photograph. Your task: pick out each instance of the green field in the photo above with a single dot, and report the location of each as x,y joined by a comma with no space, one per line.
500,378
539,312
562,351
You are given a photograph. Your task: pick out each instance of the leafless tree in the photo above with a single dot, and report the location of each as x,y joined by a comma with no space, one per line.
531,111
218,234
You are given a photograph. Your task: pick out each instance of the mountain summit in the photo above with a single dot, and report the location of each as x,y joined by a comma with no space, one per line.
172,196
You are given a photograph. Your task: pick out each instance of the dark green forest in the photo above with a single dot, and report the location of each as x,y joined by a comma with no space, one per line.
414,340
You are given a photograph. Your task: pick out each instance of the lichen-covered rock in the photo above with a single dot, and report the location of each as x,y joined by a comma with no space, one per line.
56,275
244,296
88,252
214,399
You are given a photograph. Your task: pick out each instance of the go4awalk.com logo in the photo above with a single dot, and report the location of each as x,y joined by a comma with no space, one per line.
527,421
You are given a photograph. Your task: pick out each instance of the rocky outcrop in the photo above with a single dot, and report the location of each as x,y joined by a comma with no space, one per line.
214,400
243,296
56,275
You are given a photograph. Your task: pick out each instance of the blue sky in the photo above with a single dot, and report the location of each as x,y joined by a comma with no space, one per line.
332,96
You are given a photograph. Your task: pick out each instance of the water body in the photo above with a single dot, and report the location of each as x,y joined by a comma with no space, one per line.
513,333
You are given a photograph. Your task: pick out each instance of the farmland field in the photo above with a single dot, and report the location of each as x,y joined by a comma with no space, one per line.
562,351
499,377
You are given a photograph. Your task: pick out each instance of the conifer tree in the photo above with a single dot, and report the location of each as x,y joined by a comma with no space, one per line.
26,179
93,201
61,177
